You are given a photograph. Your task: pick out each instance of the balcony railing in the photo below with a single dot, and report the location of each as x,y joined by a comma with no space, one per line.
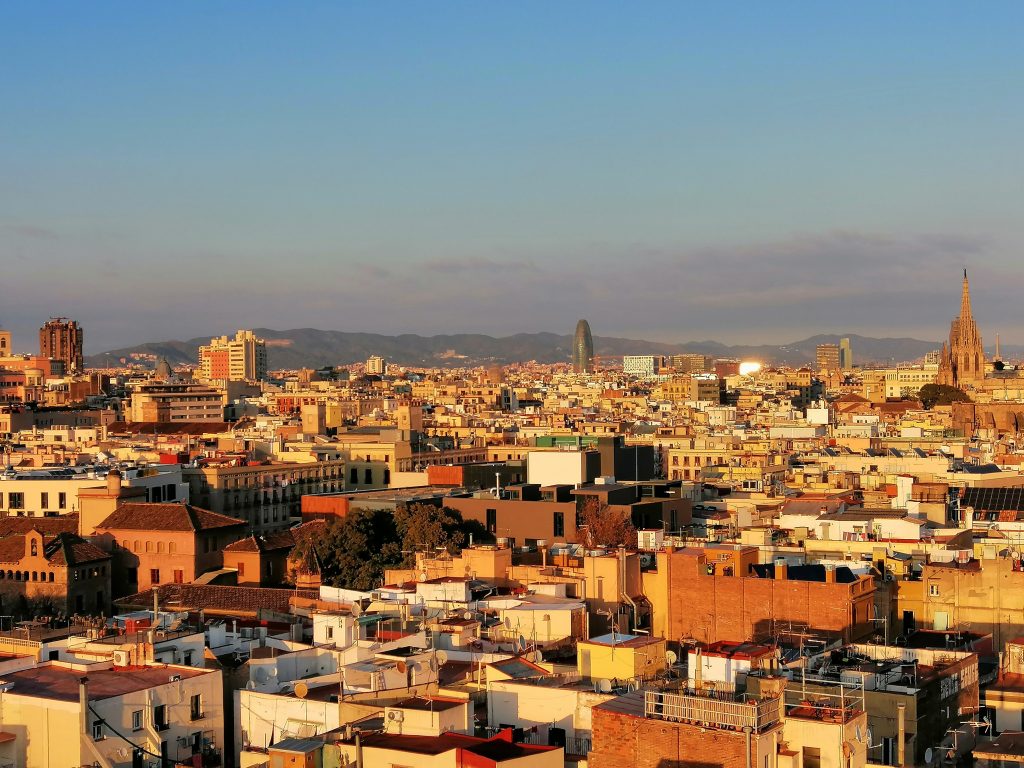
716,712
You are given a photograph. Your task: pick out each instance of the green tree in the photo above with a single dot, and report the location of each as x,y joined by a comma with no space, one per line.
941,394
426,527
355,550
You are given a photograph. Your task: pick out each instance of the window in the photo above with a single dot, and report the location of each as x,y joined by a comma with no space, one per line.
330,633
186,658
196,707
933,590
241,569
137,720
492,521
172,547
179,576
812,757
160,721
154,575
559,527
353,476
97,730
34,548
16,500
44,500
368,476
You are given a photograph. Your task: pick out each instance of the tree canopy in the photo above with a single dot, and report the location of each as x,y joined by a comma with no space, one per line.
941,394
355,550
605,527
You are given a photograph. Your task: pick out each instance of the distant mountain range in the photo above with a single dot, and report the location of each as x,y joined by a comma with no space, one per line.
312,348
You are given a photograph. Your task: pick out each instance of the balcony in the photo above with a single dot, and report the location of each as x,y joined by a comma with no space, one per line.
724,711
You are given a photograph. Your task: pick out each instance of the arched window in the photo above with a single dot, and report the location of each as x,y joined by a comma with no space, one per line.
35,576
34,548
51,577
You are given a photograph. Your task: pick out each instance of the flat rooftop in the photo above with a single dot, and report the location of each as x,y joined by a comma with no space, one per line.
52,681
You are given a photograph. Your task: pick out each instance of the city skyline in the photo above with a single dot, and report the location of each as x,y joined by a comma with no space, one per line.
690,173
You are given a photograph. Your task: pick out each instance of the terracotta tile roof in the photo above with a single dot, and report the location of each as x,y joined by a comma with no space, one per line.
166,517
63,549
263,543
48,526
212,598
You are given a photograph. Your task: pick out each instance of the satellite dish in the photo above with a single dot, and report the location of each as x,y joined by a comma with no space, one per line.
356,610
423,576
442,657
250,686
928,755
671,658
402,667
468,615
536,657
301,690
604,686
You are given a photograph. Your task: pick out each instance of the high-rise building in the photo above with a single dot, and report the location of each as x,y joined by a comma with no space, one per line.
61,339
691,363
375,365
583,348
827,357
242,358
643,366
963,361
845,355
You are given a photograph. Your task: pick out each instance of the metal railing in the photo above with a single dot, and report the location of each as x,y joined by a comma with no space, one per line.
718,711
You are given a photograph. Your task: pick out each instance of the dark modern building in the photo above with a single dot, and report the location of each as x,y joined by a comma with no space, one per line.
61,338
583,348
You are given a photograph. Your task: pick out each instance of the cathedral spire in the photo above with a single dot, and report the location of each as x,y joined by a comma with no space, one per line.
965,300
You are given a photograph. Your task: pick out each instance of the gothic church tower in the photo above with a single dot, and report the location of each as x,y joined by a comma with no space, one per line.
963,361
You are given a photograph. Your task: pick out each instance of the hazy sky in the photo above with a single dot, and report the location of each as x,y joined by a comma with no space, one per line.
743,172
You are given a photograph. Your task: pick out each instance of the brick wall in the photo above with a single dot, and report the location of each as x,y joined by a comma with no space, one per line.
626,740
714,607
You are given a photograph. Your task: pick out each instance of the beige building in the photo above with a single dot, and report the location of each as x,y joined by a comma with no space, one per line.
241,358
164,402
264,495
63,714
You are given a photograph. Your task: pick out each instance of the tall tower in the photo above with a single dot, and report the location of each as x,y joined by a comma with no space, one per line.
845,355
963,360
61,338
583,348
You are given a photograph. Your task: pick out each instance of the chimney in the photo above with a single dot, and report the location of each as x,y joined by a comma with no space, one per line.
83,704
114,483
901,732
781,570
830,574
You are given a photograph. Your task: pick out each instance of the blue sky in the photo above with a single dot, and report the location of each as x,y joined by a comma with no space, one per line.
737,171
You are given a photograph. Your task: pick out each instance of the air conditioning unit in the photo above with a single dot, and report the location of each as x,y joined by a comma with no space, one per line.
396,716
175,678
122,659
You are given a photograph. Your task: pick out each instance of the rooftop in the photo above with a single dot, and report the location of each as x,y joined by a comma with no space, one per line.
60,682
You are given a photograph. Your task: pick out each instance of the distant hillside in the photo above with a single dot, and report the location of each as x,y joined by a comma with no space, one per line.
309,347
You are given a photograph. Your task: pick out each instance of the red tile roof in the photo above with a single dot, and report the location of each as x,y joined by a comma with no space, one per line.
166,517
64,549
48,526
263,543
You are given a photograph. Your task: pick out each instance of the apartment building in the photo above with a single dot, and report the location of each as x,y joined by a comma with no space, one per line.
172,402
242,357
265,495
70,714
63,573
